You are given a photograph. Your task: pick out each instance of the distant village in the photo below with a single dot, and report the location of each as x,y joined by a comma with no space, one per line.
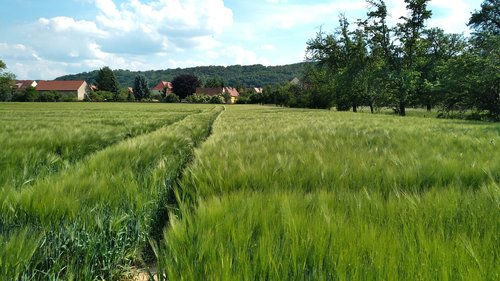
80,90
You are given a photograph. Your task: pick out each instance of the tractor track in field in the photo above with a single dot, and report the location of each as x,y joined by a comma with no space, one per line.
148,271
186,133
87,157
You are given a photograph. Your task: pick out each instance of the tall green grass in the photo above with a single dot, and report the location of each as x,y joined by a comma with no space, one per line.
441,235
38,140
96,216
279,149
16,252
281,194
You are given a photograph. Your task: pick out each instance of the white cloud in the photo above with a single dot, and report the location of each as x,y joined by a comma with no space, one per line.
159,34
235,54
16,52
64,39
206,43
173,22
451,16
456,12
291,16
67,24
130,35
27,64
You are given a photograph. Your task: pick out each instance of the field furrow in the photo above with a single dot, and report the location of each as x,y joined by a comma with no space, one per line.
42,141
95,217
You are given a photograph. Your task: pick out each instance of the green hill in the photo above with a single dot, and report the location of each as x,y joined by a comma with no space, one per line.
235,75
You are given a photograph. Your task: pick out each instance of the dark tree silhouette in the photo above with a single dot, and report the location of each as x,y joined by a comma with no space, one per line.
106,80
185,85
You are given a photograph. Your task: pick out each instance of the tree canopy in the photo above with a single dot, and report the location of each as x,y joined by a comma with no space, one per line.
234,75
408,65
214,82
141,89
487,20
6,79
185,85
106,80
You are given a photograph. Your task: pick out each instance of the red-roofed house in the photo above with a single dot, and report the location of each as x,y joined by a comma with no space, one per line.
24,84
162,87
233,92
78,88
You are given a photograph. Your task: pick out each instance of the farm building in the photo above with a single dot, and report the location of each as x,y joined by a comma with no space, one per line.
219,91
162,87
21,85
78,88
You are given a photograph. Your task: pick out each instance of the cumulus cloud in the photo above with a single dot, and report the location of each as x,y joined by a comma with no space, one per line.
162,25
64,38
120,35
290,16
17,52
26,63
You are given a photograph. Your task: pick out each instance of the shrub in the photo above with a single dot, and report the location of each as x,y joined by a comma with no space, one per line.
102,96
197,98
218,99
156,97
47,96
171,98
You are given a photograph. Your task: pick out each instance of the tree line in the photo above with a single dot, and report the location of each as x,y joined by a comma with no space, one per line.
106,87
371,64
235,75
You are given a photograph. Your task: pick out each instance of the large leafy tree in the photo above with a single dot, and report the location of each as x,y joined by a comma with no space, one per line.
373,53
436,49
404,76
185,85
141,90
487,20
485,94
344,54
380,57
320,86
6,79
106,81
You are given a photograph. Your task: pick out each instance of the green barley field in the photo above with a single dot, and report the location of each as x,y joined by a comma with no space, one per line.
205,192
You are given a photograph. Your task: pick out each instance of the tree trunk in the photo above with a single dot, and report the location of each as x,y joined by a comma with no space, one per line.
402,108
429,107
354,108
371,107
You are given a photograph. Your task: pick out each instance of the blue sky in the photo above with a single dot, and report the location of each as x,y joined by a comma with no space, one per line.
44,39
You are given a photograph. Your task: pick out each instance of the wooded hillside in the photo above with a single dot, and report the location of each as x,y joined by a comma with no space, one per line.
235,75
